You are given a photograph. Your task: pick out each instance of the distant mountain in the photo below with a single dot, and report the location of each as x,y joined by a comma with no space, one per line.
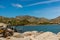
43,20
29,20
56,20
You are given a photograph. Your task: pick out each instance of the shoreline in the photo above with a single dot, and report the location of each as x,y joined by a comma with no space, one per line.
38,25
33,35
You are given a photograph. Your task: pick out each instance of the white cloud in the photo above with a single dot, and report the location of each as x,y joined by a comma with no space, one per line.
1,6
44,2
17,5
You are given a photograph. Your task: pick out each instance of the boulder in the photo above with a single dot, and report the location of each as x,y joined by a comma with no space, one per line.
47,36
30,33
58,35
18,35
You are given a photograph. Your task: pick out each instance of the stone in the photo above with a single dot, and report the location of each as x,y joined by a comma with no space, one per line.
47,36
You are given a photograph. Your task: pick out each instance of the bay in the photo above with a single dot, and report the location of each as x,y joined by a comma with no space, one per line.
44,28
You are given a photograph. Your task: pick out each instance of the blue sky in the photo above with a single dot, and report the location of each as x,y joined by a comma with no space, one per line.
38,8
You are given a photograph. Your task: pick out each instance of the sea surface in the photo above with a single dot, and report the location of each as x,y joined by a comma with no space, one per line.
52,28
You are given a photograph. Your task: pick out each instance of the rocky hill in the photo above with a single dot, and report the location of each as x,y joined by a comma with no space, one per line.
56,20
29,20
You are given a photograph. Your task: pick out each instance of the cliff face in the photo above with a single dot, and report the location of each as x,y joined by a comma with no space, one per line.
29,20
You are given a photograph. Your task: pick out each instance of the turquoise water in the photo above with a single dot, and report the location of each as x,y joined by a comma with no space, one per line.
44,28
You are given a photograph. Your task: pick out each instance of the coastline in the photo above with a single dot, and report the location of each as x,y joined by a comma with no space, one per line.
38,25
33,35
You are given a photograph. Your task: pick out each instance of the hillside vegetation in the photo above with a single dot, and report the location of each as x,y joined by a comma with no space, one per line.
28,20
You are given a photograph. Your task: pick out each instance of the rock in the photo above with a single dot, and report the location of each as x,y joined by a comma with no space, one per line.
58,35
30,33
27,33
34,36
27,38
47,36
18,35
14,38
2,39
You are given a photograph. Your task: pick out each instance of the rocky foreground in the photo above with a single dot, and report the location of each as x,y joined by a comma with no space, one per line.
33,35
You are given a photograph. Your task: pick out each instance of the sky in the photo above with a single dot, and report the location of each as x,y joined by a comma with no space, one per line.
38,8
